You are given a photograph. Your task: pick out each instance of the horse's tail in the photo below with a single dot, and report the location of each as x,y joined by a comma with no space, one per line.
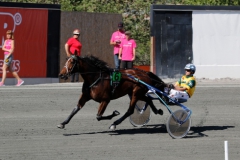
156,81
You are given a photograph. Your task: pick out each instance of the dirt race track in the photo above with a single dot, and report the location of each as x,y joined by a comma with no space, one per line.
29,115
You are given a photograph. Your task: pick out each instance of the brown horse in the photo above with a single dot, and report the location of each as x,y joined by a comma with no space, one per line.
98,86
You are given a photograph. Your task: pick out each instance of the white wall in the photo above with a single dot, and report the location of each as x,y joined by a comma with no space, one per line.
216,44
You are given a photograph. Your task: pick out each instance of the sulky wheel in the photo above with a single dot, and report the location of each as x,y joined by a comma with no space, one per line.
140,118
174,128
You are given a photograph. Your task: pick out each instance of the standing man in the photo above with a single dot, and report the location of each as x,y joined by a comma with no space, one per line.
116,39
127,52
73,44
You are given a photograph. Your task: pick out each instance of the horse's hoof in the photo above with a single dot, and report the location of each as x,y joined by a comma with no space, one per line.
99,118
61,126
116,113
112,127
160,112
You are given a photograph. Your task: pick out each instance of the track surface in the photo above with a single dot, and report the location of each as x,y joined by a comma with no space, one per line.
29,115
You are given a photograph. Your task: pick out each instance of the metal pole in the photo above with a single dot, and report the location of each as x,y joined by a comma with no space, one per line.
226,149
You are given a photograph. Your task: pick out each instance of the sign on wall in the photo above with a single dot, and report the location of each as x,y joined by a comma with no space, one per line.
30,35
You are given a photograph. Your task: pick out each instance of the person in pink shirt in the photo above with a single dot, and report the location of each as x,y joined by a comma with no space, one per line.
73,44
115,40
127,51
8,48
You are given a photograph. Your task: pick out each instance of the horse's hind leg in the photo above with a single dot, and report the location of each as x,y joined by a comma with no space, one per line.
81,103
154,109
128,113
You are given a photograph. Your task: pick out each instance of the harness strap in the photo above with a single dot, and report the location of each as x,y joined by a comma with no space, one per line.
96,80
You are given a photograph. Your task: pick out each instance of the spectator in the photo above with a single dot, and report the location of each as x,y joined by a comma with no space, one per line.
127,51
8,48
74,45
116,39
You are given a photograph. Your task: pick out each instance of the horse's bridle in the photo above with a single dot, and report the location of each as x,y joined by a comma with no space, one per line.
74,64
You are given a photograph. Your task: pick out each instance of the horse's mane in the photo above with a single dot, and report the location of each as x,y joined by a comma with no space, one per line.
96,62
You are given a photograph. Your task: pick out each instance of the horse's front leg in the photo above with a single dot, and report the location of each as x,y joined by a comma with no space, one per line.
102,108
82,100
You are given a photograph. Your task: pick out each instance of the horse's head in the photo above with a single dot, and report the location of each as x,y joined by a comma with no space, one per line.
70,67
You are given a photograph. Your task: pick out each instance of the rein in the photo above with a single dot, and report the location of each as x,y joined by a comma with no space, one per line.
74,65
100,75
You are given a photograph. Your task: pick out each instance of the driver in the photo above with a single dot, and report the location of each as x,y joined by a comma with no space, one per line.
185,86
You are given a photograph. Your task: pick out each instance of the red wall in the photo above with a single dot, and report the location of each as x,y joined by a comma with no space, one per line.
30,34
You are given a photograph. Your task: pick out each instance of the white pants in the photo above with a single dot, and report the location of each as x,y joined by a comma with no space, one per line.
177,95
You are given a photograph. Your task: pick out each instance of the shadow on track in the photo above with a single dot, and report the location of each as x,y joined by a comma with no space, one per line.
195,132
148,129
